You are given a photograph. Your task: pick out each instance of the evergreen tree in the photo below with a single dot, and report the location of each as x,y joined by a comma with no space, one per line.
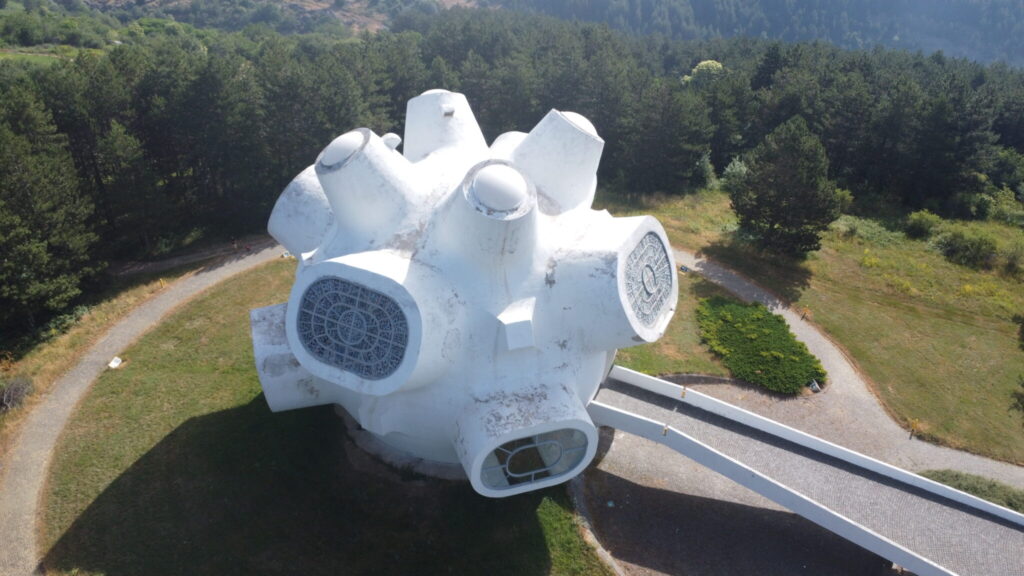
45,240
785,200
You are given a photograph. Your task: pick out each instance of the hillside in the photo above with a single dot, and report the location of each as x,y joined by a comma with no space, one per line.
285,16
985,31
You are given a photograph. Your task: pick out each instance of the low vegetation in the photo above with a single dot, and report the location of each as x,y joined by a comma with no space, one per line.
13,392
680,350
981,487
174,464
757,345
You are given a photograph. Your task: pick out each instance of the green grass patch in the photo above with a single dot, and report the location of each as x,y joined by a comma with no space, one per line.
995,492
173,464
36,59
936,339
757,345
680,350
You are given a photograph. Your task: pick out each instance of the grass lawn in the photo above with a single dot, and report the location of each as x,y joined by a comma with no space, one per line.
173,464
936,339
680,350
31,58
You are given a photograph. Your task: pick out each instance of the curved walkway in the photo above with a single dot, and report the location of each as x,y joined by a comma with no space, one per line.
25,469
847,412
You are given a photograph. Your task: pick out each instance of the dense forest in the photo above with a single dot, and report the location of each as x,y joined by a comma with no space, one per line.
174,132
985,30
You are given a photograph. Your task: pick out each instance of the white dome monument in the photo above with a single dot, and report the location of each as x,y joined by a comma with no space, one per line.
462,302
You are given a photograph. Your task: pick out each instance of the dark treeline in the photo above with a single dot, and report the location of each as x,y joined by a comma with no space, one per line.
985,30
123,153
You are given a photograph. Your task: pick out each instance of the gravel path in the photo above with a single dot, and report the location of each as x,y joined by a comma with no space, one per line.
25,469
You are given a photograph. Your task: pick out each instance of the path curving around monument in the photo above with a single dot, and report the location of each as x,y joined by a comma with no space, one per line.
847,412
23,473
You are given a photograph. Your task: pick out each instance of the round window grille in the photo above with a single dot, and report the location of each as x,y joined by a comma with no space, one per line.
349,326
648,279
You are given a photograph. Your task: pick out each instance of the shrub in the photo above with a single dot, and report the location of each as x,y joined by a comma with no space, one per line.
757,346
845,200
968,248
1007,208
1013,258
735,172
981,487
13,392
922,224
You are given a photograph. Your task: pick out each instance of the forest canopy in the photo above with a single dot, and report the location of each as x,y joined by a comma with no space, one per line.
174,130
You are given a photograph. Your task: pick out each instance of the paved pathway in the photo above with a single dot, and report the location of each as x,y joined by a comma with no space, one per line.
23,474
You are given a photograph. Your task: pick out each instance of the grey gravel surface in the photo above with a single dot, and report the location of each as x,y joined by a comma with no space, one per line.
956,537
24,468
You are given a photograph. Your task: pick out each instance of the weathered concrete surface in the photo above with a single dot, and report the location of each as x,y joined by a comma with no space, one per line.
24,472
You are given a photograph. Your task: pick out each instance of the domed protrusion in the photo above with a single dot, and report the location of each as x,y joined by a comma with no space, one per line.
504,146
391,140
498,189
560,155
489,223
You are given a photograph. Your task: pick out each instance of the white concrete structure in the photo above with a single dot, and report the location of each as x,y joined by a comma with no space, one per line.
462,302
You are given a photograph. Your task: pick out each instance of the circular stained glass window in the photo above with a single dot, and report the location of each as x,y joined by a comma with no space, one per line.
354,328
649,279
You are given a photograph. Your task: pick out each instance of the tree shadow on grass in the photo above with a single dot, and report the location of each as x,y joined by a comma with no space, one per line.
244,491
785,277
674,533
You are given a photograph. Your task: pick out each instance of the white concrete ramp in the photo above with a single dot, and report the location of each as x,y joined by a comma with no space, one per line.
919,524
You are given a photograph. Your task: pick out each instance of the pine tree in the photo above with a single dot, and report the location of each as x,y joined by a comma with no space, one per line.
785,200
45,240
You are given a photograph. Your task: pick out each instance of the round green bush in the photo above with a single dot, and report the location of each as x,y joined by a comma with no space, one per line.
921,224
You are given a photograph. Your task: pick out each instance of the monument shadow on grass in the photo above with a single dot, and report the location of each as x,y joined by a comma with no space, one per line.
244,491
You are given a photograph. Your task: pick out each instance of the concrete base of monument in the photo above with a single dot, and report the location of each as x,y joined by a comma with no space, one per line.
396,457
